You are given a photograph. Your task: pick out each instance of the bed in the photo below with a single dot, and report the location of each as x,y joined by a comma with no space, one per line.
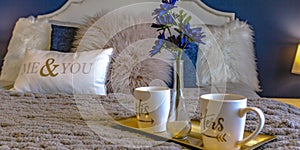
47,103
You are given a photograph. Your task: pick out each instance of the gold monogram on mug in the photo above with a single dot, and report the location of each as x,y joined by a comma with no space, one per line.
143,110
210,122
222,121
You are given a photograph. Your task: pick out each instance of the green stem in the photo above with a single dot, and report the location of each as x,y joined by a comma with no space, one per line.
180,54
178,86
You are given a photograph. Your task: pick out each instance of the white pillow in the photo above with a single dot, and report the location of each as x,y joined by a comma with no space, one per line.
57,72
228,56
28,33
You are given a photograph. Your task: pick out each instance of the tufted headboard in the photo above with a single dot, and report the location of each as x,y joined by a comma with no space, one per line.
217,62
73,12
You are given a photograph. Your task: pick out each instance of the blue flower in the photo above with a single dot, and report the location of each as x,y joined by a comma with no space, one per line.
195,34
161,36
157,47
167,19
172,2
183,41
163,10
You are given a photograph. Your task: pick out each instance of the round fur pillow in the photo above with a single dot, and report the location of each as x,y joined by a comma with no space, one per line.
132,38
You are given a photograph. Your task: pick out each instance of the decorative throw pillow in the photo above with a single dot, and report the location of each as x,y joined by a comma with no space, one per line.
56,72
228,56
132,38
29,33
62,38
190,56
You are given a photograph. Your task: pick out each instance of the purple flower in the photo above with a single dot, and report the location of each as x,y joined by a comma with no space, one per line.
172,2
157,47
161,36
163,10
165,19
195,34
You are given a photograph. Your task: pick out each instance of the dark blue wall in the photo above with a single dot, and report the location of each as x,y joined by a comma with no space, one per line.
11,10
276,25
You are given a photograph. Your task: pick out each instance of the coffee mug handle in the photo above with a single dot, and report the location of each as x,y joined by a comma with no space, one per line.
261,123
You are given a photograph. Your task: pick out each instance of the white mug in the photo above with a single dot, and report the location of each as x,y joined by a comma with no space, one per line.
222,121
152,107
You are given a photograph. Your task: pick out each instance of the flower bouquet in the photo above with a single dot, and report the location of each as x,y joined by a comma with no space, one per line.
175,35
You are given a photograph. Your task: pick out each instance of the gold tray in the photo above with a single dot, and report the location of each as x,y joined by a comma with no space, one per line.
194,140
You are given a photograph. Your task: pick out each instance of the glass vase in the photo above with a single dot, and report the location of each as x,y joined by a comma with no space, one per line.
179,123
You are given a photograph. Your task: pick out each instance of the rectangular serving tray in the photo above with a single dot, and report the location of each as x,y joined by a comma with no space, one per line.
193,141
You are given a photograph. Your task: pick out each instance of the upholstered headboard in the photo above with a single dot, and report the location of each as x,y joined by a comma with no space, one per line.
73,12
228,40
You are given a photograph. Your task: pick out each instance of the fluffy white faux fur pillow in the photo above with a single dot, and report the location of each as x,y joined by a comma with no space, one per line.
28,33
132,38
228,56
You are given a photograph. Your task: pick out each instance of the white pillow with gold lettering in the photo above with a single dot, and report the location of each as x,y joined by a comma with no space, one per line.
57,72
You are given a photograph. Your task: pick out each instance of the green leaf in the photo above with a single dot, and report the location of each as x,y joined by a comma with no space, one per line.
183,16
181,11
188,19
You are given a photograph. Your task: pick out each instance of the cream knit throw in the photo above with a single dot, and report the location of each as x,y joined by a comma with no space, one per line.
36,121
60,121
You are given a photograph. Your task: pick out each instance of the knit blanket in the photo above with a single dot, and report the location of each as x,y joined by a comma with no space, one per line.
61,121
